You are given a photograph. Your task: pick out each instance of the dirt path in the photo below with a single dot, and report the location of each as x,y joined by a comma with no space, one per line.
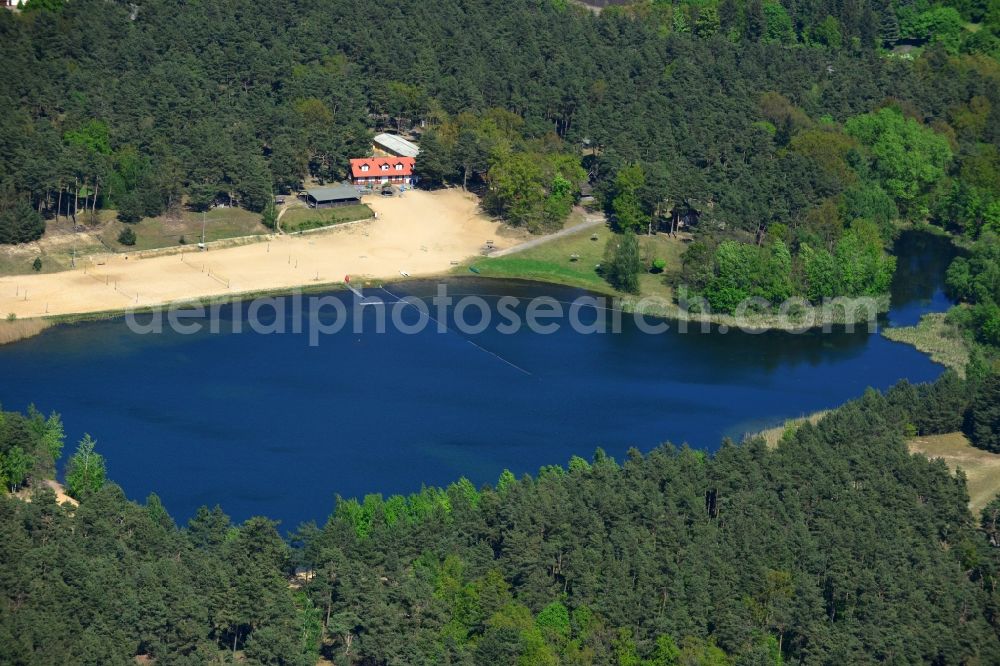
592,220
61,496
418,233
281,213
57,488
277,220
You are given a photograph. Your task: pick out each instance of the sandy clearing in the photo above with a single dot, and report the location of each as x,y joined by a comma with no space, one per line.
420,233
61,496
982,468
55,486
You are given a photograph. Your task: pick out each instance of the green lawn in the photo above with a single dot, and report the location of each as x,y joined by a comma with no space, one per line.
164,231
576,216
553,262
668,249
300,219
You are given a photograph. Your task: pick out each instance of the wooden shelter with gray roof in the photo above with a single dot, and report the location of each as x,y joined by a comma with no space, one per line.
330,197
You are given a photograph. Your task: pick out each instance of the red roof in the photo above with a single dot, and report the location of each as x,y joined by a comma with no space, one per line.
375,165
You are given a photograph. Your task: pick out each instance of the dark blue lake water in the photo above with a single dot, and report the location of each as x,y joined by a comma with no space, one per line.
266,424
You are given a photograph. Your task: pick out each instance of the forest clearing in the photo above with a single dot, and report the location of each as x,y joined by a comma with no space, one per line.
982,468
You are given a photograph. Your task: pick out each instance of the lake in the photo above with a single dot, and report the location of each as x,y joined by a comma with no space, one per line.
267,424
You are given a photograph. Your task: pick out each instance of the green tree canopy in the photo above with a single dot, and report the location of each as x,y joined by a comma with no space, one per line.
907,158
622,263
85,472
983,422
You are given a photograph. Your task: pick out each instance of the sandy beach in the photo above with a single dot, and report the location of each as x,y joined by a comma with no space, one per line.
419,233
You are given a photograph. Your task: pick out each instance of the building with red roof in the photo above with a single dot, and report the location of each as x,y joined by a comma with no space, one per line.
378,170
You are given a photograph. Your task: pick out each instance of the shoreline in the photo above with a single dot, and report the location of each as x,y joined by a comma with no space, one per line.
758,323
774,435
419,234
934,336
821,317
22,329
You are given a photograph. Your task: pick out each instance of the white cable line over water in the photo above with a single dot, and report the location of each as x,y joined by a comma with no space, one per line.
445,327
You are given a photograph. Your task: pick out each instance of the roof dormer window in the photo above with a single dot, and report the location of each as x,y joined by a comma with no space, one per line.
385,167
364,167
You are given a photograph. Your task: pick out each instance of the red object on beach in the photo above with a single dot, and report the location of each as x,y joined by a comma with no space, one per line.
347,278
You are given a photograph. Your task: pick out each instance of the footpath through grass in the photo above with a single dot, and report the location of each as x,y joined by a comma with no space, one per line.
573,260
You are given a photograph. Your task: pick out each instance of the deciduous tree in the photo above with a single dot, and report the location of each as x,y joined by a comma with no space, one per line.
85,472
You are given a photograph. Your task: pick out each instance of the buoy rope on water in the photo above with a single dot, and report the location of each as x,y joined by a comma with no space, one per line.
447,329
